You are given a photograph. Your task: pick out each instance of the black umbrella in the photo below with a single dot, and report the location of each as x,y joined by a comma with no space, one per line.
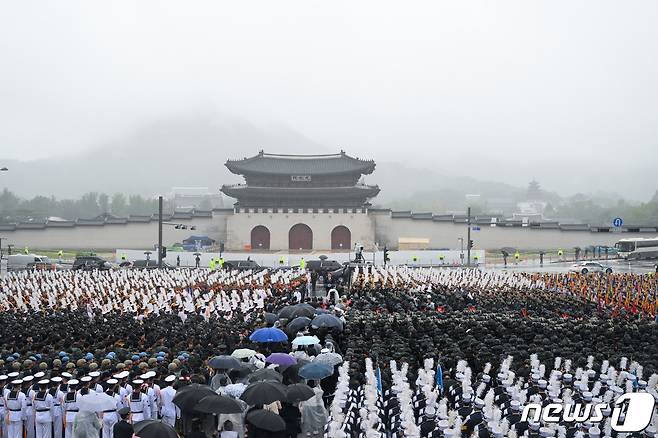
218,404
266,420
263,393
298,324
327,321
266,374
298,392
271,318
286,311
188,396
154,429
224,362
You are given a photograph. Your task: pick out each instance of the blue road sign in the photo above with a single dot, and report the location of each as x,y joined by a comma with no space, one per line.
617,222
476,228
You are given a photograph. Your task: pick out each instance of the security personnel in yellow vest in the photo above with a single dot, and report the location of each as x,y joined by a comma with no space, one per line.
302,264
414,259
282,260
26,250
123,257
221,263
212,264
441,258
517,256
560,253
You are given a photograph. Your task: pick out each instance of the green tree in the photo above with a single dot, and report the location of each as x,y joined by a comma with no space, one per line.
119,205
104,203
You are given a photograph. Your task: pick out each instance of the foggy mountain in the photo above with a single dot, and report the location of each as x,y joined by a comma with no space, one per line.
191,151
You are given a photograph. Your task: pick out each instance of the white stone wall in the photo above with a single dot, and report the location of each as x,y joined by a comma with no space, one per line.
239,226
375,227
132,235
446,235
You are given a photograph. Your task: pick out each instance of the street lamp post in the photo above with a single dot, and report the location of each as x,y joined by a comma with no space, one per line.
461,250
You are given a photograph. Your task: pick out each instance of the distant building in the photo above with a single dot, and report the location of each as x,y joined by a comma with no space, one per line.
306,203
195,198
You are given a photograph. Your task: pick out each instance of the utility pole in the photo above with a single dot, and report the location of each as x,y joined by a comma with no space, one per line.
159,231
468,238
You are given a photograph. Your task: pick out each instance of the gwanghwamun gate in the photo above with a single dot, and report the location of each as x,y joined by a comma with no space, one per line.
312,203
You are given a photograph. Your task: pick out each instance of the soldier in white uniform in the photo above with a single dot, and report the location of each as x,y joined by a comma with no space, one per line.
153,393
124,387
58,406
95,386
84,385
70,407
3,408
16,405
29,411
139,405
42,403
169,410
110,417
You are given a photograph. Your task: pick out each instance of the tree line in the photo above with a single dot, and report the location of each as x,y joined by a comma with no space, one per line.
88,206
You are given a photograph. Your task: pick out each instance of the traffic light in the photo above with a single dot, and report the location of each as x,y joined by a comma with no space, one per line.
221,247
163,251
386,259
471,245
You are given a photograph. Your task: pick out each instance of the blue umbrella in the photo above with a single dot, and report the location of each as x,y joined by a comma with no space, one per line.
268,334
315,371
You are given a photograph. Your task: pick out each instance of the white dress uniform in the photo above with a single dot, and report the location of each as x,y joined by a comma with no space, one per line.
169,410
139,405
70,408
42,403
29,413
58,411
16,406
3,407
110,418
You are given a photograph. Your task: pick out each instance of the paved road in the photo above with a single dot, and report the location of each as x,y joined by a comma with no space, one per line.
637,267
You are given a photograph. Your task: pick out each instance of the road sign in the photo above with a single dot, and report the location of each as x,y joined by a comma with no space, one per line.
617,222
476,228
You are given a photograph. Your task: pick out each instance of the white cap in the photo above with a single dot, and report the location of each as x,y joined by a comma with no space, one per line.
39,375
169,379
112,381
594,432
56,379
4,377
85,379
28,378
515,405
545,431
17,382
95,374
138,381
66,375
43,382
73,382
542,383
587,396
12,374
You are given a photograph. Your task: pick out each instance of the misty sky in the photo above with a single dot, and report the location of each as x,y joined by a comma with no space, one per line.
564,91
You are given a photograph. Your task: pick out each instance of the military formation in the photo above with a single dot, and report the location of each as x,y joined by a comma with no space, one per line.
423,352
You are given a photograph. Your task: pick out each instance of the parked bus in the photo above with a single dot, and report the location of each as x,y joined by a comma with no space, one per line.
637,248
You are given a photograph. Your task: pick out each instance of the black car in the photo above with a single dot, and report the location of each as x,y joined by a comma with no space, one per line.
89,263
242,265
322,267
150,264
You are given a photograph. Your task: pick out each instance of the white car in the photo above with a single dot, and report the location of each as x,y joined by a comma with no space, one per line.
585,267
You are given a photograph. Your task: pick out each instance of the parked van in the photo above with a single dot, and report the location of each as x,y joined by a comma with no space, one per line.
23,261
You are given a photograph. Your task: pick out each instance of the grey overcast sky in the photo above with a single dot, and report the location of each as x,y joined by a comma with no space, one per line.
562,90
